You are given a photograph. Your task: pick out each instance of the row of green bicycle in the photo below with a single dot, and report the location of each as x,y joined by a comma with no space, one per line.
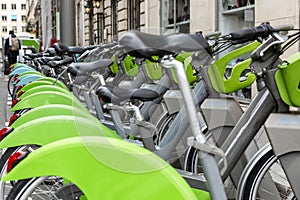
152,118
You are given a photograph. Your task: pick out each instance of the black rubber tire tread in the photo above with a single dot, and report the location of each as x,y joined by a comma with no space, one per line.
17,188
8,86
255,172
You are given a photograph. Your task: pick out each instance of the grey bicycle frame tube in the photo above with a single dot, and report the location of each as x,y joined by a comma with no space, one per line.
246,128
215,184
180,124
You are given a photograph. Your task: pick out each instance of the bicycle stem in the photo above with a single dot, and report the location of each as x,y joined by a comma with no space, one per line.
211,170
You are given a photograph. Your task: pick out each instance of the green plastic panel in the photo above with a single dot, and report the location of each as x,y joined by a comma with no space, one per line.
38,83
185,58
288,80
18,65
43,88
47,97
231,84
53,128
31,72
51,110
114,67
106,168
131,69
30,43
153,69
54,81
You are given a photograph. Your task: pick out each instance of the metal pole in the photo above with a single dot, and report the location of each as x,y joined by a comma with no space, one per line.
91,25
175,13
209,164
67,22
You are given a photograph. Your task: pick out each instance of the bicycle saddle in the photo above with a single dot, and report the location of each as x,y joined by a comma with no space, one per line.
87,68
34,55
70,50
56,64
116,95
51,51
145,45
45,60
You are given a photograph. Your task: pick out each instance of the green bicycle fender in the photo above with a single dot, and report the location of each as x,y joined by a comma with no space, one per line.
105,168
36,83
51,110
42,88
31,72
21,70
27,79
16,65
54,82
53,128
47,97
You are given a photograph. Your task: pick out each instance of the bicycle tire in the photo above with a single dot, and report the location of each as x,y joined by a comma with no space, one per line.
259,173
8,86
3,167
24,189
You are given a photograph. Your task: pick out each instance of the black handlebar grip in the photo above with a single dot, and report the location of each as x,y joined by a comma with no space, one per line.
262,30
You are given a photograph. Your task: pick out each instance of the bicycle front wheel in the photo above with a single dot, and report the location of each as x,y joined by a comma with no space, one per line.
267,180
44,188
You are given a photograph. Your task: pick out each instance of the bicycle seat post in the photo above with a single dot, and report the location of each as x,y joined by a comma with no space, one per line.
215,184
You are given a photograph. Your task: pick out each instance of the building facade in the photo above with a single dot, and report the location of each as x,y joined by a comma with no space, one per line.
102,21
13,17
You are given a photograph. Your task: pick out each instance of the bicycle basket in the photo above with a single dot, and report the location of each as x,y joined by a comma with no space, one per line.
153,69
232,83
288,80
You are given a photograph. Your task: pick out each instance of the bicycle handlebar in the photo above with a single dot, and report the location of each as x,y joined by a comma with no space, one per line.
251,34
263,31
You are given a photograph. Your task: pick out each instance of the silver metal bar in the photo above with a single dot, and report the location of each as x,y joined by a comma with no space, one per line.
208,161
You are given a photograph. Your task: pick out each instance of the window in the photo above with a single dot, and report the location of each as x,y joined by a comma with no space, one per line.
13,6
238,3
23,6
4,29
3,6
15,29
177,19
23,17
4,18
23,28
13,18
134,14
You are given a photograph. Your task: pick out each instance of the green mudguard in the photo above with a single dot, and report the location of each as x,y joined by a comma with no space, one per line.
37,83
28,78
53,81
106,168
44,88
53,128
47,97
31,72
50,110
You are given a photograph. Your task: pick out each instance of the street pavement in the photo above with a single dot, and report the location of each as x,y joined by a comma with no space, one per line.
4,101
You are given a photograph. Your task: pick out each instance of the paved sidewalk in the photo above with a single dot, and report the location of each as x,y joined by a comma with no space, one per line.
4,114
